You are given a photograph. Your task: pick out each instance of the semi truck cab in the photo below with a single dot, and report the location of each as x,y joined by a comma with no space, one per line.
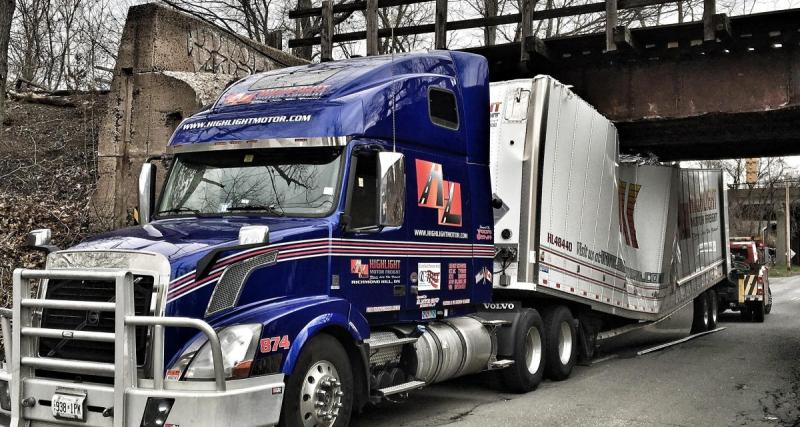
322,234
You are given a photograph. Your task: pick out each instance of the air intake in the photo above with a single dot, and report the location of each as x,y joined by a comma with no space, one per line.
226,293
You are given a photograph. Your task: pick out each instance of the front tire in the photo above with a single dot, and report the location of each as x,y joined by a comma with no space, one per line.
561,343
320,390
528,369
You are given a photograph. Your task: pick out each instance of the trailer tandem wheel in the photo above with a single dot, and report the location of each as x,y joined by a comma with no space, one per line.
713,309
528,369
561,342
320,390
701,317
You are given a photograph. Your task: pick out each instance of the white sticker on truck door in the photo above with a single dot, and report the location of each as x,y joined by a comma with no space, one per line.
429,276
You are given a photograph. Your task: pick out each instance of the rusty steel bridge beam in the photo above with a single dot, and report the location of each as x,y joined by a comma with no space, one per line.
677,92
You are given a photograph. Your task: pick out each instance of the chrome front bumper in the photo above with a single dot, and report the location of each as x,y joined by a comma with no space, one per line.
248,402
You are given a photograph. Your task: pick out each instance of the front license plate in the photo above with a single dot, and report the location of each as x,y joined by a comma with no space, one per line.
69,406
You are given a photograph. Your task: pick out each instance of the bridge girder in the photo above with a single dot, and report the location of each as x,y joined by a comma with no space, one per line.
679,97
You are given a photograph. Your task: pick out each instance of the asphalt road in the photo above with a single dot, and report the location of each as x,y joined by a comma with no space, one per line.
748,374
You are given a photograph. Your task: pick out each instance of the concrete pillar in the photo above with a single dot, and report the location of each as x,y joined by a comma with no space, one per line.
169,66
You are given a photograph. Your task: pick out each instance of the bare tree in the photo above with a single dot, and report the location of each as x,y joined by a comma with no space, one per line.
256,19
756,205
65,44
6,15
403,16
487,9
27,38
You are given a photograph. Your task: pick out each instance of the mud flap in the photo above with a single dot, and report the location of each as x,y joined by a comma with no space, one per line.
508,311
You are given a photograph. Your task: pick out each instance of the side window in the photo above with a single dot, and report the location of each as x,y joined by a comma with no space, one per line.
442,107
363,205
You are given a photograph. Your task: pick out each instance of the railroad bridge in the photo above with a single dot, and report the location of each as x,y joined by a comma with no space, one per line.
721,87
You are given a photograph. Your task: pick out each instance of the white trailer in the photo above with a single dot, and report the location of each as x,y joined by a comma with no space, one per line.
581,235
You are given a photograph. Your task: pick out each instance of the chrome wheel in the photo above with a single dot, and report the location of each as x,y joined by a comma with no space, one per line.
533,350
565,343
714,313
321,395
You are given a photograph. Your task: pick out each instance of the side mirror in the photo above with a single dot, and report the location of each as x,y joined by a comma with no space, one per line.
40,240
391,189
147,192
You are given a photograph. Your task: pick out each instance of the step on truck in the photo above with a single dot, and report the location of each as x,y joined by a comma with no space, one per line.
338,234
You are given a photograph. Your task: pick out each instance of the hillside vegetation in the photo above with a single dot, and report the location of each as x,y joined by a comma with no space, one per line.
48,173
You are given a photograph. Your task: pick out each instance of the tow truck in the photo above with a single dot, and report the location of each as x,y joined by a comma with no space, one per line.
748,290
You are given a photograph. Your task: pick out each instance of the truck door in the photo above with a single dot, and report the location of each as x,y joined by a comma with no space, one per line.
370,257
440,259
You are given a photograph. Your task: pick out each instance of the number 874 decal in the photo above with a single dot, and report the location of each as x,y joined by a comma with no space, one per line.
268,345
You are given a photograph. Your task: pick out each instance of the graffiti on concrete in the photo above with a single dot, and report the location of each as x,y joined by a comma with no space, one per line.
214,52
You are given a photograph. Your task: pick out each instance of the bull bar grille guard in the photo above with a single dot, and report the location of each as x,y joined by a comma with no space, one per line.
21,350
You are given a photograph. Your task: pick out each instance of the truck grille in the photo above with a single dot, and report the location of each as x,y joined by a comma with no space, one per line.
95,291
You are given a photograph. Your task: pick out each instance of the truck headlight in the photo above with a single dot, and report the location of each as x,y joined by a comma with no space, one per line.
238,342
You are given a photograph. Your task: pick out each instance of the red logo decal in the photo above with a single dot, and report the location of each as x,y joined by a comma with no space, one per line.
360,268
434,192
626,219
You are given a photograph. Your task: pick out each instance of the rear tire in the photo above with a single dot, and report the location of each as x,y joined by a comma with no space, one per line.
746,313
713,309
701,317
768,308
561,343
322,360
759,310
528,369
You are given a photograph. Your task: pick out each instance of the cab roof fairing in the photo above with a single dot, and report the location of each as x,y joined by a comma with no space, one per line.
357,101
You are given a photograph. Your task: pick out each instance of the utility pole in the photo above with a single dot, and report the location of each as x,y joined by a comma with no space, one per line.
787,214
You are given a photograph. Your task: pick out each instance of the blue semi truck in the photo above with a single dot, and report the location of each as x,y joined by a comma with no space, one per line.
337,234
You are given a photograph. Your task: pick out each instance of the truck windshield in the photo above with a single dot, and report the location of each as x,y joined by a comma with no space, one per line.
278,182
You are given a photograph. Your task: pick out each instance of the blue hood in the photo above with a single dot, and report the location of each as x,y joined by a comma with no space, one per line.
184,241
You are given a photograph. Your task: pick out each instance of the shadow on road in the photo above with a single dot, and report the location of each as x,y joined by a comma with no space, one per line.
732,317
